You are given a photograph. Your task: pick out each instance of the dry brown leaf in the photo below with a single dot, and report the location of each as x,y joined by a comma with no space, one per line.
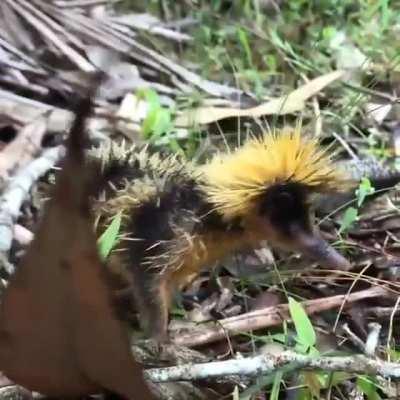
58,331
294,101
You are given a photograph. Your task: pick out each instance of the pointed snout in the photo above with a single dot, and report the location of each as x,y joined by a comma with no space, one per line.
313,246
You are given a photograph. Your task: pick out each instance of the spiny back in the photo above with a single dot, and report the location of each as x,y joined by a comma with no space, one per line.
235,181
138,175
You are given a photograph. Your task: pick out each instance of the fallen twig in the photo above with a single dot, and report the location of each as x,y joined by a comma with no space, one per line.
18,189
269,316
44,29
373,338
23,148
267,364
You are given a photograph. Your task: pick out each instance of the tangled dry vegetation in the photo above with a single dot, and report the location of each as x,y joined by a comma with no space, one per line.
194,77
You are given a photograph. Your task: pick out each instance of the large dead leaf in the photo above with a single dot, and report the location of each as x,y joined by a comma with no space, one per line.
294,101
58,332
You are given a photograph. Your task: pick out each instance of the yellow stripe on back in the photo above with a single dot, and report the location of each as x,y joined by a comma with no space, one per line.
235,181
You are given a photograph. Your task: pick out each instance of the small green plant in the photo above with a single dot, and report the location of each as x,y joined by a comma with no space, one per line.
109,237
276,386
158,120
351,214
306,338
244,41
368,386
305,342
313,381
349,217
364,189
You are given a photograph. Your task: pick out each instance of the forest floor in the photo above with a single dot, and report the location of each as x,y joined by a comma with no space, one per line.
196,77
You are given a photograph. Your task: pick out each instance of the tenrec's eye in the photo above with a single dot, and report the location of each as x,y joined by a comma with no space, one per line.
284,200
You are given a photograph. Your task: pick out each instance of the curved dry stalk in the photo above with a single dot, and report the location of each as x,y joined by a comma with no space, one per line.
266,317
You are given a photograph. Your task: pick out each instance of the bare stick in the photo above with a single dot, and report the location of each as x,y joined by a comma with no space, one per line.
269,316
267,364
14,195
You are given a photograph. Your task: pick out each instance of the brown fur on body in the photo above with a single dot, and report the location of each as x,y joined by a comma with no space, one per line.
160,204
178,218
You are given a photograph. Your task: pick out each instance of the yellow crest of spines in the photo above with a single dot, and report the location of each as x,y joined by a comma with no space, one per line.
234,181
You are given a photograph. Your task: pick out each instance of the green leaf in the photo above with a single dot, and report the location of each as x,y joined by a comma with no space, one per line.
276,386
279,337
349,217
151,96
338,377
162,123
323,378
304,394
177,312
305,331
313,352
394,355
153,103
368,387
158,119
109,237
243,39
175,146
328,32
271,62
364,189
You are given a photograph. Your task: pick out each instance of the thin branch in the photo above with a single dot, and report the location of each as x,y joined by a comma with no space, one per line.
267,317
267,364
373,338
13,197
